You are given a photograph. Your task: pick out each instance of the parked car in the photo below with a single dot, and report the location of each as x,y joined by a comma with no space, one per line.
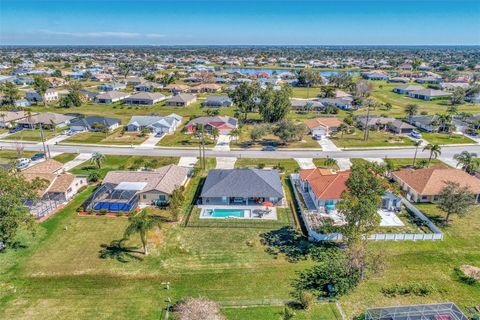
23,163
38,156
269,148
68,132
415,134
15,129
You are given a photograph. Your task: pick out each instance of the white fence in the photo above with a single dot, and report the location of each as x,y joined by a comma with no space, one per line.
315,236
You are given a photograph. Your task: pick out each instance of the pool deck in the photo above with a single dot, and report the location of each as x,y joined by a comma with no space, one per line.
272,215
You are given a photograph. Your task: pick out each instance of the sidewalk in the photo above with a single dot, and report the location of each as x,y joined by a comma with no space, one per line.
343,163
81,158
226,163
187,162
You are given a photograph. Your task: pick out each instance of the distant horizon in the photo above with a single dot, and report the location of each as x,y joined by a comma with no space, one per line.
240,45
240,23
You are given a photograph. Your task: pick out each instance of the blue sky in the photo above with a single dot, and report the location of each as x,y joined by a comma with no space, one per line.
296,22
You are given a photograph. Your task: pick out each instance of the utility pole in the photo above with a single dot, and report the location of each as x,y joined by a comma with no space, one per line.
365,134
43,141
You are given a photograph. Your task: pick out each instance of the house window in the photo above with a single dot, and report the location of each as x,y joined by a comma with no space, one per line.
162,197
144,196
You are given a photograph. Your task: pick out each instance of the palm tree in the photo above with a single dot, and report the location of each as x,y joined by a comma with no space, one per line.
416,144
343,128
444,121
411,110
235,133
141,223
468,160
435,151
215,133
97,159
330,162
452,110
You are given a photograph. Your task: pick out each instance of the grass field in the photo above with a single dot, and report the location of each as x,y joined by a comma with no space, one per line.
375,139
244,141
326,311
180,139
115,137
113,162
441,138
7,156
65,157
32,135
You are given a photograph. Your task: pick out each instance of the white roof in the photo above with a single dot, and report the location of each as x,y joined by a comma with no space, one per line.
131,186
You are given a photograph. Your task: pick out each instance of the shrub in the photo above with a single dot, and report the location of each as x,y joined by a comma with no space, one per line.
412,288
103,211
306,299
80,209
120,213
260,165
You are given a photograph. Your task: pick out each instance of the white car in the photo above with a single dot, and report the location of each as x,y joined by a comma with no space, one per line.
23,163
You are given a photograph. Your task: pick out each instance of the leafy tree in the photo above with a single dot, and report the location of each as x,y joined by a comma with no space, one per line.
454,199
14,191
176,201
342,81
331,276
259,131
458,95
363,88
274,105
411,110
40,85
360,204
444,121
141,223
10,92
388,106
97,159
87,75
196,309
327,91
435,151
452,109
343,128
57,73
288,131
309,78
244,96
468,160
93,176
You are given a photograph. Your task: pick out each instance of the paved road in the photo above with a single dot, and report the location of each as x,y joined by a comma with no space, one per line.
279,154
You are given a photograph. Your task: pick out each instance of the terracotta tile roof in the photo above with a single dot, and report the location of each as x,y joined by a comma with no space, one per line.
432,180
48,166
324,122
326,183
62,183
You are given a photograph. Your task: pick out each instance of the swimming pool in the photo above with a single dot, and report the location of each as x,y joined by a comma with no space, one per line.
226,213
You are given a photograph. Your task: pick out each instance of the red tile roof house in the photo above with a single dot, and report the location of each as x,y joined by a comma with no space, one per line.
424,185
224,124
325,187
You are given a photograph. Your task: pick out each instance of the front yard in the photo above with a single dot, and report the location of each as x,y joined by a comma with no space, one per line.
32,135
115,137
180,139
375,139
443,138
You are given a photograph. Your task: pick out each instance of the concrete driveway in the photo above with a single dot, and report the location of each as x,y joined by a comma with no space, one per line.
223,143
305,163
187,162
81,158
225,163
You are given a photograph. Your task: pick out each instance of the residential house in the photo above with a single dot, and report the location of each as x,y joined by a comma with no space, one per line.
374,122
56,82
424,122
126,190
111,97
224,124
88,95
181,100
9,118
321,127
399,79
148,86
102,77
157,124
48,120
247,186
49,96
325,186
111,86
424,185
451,86
400,127
407,89
217,102
95,124
177,88
61,186
144,98
429,80
474,98
375,75
135,81
22,103
345,103
206,87
306,105
429,94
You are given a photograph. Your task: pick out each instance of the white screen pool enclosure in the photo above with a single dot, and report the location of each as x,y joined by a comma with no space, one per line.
442,311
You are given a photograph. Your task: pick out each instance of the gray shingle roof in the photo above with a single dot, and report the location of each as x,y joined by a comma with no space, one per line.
246,182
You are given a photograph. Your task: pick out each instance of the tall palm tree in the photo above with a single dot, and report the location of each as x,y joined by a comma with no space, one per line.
141,223
411,110
435,151
343,128
215,133
468,160
416,144
444,121
97,159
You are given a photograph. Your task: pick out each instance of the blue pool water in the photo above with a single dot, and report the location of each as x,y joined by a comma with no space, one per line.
224,213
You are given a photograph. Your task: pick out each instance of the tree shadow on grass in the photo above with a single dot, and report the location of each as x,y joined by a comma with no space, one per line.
118,251
287,241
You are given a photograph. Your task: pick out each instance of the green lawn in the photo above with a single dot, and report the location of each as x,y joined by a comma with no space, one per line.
244,141
180,139
114,162
32,135
287,165
317,312
441,138
8,156
404,162
65,157
375,139
115,137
